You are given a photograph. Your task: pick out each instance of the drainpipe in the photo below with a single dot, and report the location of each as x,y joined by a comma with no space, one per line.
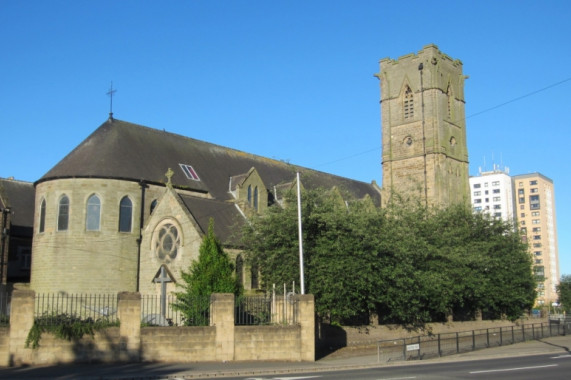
420,67
3,250
141,223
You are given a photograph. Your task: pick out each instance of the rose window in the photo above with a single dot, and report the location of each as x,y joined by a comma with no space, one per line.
167,242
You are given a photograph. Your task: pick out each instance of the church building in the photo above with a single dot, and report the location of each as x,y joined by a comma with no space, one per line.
129,206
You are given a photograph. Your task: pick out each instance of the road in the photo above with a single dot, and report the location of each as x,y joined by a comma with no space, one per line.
544,359
542,367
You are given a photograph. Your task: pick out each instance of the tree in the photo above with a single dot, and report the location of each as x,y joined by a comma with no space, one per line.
487,265
510,283
409,292
408,263
564,292
340,261
212,273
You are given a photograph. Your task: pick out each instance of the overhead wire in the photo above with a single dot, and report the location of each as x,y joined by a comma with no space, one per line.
465,118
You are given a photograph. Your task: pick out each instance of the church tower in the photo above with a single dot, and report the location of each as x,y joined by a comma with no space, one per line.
424,152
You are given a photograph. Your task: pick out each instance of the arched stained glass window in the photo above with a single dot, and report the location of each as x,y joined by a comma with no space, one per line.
93,215
125,214
63,214
43,215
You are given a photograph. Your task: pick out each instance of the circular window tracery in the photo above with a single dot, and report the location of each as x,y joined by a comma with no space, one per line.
167,242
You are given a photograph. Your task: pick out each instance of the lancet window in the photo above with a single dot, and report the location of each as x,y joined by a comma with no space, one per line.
93,214
408,104
43,215
63,214
125,214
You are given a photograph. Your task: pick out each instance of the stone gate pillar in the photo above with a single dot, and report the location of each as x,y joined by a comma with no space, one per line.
21,321
129,314
222,316
306,319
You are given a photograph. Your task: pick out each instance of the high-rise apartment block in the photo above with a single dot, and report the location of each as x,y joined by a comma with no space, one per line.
492,193
529,200
535,208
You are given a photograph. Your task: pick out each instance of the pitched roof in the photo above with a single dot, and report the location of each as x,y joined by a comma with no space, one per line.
19,196
228,218
122,150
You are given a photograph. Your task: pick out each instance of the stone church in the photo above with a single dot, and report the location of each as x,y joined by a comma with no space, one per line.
130,205
127,209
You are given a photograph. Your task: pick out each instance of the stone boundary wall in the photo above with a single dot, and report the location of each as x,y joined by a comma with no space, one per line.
254,343
178,344
221,341
4,344
368,335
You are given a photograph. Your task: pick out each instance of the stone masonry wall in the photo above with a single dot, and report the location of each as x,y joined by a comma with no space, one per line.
107,257
222,341
4,346
63,259
178,344
371,334
168,211
429,140
268,343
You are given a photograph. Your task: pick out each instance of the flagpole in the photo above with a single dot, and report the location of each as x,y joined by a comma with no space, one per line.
302,283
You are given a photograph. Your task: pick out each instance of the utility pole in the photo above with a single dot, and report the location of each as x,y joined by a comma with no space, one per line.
301,276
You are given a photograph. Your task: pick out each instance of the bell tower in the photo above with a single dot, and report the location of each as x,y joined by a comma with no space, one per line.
424,151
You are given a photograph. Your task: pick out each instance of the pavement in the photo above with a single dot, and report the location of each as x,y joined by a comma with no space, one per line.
347,358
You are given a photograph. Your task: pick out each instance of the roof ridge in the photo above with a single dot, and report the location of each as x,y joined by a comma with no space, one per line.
12,179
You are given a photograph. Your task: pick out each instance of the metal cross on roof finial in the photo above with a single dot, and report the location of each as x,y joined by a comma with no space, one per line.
110,93
169,175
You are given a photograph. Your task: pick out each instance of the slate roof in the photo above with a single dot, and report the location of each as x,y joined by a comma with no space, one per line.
20,197
228,218
122,150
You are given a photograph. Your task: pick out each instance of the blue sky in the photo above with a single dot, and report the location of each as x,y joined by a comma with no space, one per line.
291,80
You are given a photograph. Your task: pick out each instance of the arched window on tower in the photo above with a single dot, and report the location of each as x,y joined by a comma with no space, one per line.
125,214
450,98
408,104
93,214
63,214
43,215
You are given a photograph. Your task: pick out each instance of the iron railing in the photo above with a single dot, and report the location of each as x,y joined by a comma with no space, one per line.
253,310
159,311
430,346
266,310
51,309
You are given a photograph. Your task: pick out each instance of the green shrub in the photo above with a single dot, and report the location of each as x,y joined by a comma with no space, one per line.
66,327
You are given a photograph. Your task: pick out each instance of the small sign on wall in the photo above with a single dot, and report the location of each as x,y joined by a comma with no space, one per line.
413,347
